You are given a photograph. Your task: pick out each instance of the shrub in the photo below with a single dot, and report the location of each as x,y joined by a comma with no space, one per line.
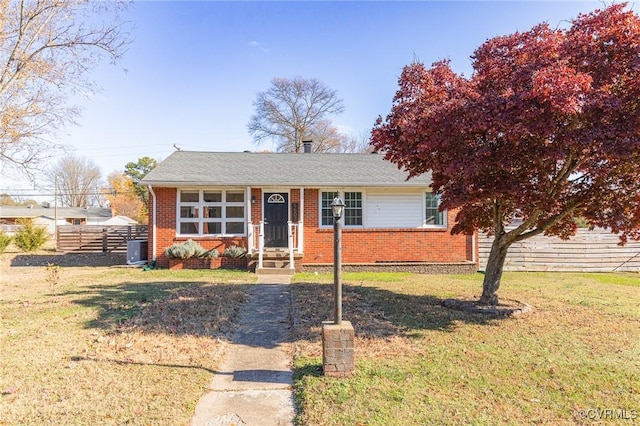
235,251
187,250
211,254
5,240
30,237
53,276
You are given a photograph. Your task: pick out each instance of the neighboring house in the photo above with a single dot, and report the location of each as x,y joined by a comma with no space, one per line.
50,216
120,220
270,202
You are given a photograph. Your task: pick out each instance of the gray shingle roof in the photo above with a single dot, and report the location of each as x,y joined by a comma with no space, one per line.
63,212
183,168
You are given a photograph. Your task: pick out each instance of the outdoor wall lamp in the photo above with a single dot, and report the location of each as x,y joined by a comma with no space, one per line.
338,339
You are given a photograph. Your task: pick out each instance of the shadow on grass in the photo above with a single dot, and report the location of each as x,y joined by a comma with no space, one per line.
142,364
191,308
376,312
201,308
198,308
255,376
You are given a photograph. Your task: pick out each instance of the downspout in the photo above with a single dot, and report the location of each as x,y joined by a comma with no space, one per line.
473,249
153,224
249,224
301,222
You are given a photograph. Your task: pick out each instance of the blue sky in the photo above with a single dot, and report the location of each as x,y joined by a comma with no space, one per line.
195,68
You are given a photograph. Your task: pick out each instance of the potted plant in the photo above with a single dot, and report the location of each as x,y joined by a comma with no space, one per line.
191,255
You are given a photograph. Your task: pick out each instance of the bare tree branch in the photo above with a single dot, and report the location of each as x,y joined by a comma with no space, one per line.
294,110
47,48
78,181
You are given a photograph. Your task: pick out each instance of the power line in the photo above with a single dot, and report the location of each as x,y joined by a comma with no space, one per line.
60,193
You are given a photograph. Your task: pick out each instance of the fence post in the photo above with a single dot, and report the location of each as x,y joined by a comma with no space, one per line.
105,240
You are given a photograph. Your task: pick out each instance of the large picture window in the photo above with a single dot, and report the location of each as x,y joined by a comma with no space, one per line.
434,216
352,209
211,212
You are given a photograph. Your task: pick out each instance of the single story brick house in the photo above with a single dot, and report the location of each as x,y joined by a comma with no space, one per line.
277,205
51,217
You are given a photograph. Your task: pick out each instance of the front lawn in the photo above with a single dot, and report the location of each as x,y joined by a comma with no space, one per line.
108,346
574,359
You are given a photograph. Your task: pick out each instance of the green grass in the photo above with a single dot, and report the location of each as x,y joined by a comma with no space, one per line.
420,363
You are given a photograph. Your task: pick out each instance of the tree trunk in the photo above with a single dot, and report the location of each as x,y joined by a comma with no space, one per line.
493,274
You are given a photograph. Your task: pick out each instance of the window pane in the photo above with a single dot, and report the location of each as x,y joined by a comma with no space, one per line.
235,228
327,199
235,212
433,215
327,214
187,212
353,217
212,228
353,200
189,196
212,196
327,217
235,196
213,212
353,208
188,228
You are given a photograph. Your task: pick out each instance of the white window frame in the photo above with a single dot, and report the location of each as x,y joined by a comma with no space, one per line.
424,212
341,194
200,205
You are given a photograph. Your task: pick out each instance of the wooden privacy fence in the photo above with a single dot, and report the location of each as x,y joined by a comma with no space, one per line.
587,251
98,238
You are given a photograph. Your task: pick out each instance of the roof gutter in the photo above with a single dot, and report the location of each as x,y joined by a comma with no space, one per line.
153,223
307,184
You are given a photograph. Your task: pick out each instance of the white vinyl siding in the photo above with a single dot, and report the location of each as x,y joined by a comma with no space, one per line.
394,210
388,208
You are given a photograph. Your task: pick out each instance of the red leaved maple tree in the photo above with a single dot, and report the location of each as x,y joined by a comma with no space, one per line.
547,129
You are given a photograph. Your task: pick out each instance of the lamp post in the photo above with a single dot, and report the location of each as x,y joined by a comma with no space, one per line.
338,338
337,208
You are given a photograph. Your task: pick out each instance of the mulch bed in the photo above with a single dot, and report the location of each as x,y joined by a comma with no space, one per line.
69,259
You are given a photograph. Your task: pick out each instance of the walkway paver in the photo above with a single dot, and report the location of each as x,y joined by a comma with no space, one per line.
254,383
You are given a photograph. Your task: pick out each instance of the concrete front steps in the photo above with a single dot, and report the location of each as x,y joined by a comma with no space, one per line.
275,261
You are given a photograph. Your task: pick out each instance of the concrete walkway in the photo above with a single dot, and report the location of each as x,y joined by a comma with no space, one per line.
254,381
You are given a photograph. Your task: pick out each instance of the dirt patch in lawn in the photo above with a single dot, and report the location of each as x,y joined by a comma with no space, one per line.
506,307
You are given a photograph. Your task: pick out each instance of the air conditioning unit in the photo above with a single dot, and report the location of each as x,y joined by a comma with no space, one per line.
137,251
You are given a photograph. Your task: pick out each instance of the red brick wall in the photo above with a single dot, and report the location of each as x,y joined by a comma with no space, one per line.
166,228
361,245
358,245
